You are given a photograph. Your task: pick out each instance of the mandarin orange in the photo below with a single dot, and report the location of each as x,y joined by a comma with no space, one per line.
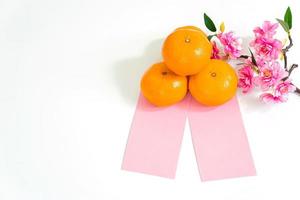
215,85
187,50
162,87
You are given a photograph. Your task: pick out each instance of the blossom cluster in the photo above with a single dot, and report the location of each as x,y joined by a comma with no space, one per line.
264,68
229,46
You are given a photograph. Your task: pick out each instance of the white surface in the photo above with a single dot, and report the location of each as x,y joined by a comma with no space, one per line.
69,76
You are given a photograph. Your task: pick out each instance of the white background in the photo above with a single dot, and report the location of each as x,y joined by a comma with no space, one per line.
69,81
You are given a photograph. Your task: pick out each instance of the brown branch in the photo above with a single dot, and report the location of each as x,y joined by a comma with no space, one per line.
297,91
285,60
294,66
244,56
285,50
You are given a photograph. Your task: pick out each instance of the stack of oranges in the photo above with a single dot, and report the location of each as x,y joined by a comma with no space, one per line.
187,67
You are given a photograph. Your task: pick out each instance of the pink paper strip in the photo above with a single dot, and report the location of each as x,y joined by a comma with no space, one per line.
220,141
155,138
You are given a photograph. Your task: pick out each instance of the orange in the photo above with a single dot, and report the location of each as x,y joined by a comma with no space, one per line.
215,85
186,51
162,87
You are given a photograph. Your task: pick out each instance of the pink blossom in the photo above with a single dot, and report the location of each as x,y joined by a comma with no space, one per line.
246,78
284,87
215,51
260,62
280,93
232,44
270,75
270,98
268,30
267,48
264,44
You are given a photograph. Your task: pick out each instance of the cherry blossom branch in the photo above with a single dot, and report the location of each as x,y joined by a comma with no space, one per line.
244,56
297,91
294,66
285,50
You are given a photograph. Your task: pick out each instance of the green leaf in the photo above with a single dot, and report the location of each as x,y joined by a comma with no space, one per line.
209,23
288,18
284,25
253,60
211,36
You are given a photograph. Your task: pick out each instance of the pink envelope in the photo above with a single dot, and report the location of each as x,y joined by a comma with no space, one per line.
155,138
220,141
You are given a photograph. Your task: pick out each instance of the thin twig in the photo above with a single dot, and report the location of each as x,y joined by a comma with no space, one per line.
244,56
294,66
285,60
285,50
297,91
